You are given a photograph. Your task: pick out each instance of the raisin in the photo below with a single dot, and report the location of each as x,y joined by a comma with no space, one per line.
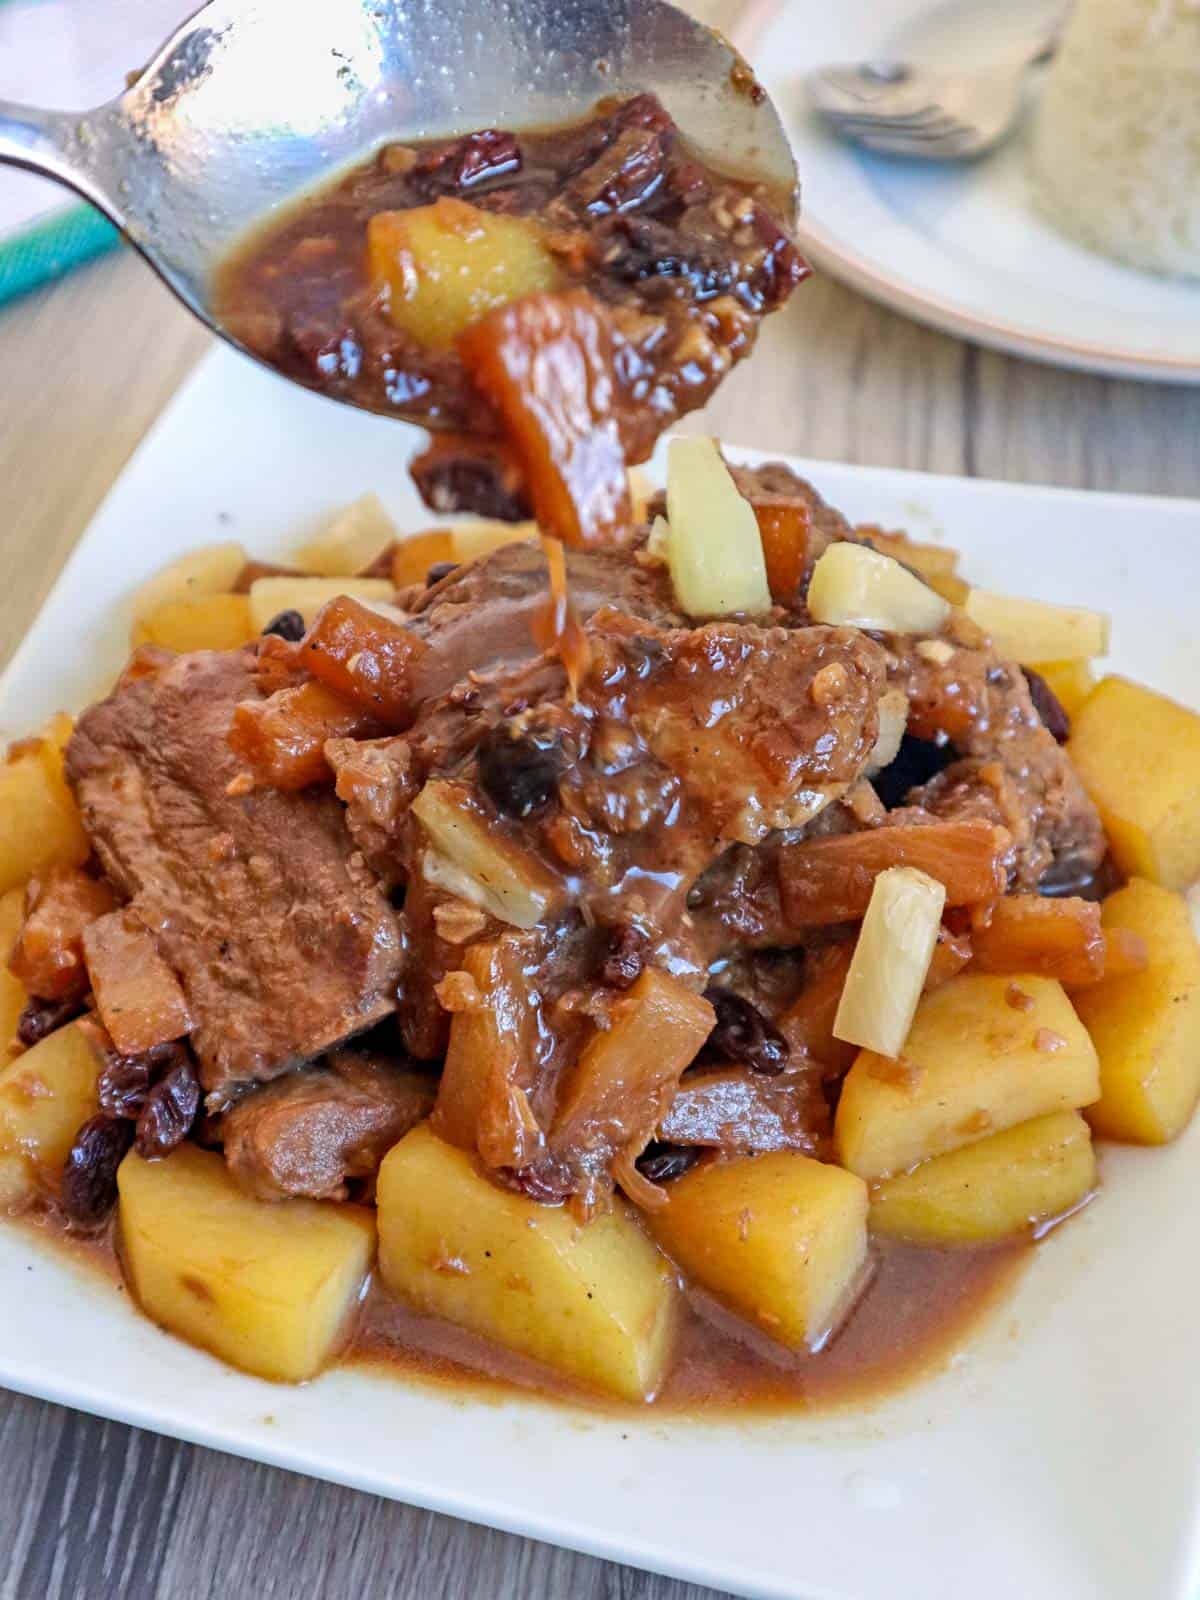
438,571
42,1017
742,1033
519,775
1048,706
125,1081
167,1116
916,762
633,249
662,1162
89,1180
287,625
624,958
467,162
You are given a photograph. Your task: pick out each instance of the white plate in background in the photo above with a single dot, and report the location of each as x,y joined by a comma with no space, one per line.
959,247
1058,1458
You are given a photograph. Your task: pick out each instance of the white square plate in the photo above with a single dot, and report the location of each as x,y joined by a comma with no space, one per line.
1055,1459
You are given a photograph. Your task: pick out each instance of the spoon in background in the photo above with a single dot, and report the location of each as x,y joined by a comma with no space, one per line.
251,102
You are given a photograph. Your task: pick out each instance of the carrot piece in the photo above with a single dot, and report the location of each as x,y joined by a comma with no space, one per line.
365,658
545,363
139,998
482,1101
807,1024
412,558
1050,938
785,528
48,955
830,880
282,739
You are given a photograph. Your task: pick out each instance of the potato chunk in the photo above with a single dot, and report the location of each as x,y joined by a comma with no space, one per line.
268,1288
781,1239
46,1095
445,265
13,995
1138,754
40,825
357,536
210,622
997,1189
1146,1025
973,1065
270,596
596,1302
213,569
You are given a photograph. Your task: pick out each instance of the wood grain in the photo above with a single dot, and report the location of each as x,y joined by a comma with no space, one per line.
92,1509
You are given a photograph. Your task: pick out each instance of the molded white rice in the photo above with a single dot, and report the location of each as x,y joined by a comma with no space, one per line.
1116,151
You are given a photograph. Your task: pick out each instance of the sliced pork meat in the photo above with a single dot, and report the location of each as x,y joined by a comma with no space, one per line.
280,936
312,1132
743,1113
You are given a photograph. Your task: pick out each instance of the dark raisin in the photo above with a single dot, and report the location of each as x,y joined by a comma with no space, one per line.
518,775
170,1109
287,625
1048,706
42,1017
634,249
916,762
474,159
438,571
89,1180
662,1162
743,1034
124,1084
624,956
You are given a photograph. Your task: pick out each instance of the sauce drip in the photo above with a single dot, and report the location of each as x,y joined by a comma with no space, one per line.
556,625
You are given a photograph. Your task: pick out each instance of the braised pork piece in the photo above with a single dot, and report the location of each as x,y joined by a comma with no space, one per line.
420,281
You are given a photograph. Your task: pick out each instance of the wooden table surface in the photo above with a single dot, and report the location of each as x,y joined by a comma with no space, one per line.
94,1509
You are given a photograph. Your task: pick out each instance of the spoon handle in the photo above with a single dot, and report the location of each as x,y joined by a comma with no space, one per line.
50,143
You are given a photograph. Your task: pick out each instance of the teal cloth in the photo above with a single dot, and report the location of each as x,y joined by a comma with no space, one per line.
52,246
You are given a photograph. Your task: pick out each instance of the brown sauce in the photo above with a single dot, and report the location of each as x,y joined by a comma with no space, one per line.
918,1310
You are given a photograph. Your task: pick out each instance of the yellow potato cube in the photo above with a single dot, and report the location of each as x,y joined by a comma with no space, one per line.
1069,681
1146,1025
356,537
213,622
270,596
444,266
213,569
270,1288
997,1189
1138,754
46,1095
13,995
596,1302
781,1239
40,825
973,1065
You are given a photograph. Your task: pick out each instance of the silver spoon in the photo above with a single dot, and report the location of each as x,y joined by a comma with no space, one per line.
898,108
252,101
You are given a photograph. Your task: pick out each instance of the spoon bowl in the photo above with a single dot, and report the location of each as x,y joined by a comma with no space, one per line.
251,102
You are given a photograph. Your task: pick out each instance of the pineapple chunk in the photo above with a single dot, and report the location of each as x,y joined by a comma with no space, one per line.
268,1288
270,596
356,537
997,1189
891,961
1138,754
40,825
472,858
973,1065
1069,681
857,587
213,569
780,1239
1146,1025
46,1095
714,548
1032,630
13,995
444,266
596,1301
212,622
